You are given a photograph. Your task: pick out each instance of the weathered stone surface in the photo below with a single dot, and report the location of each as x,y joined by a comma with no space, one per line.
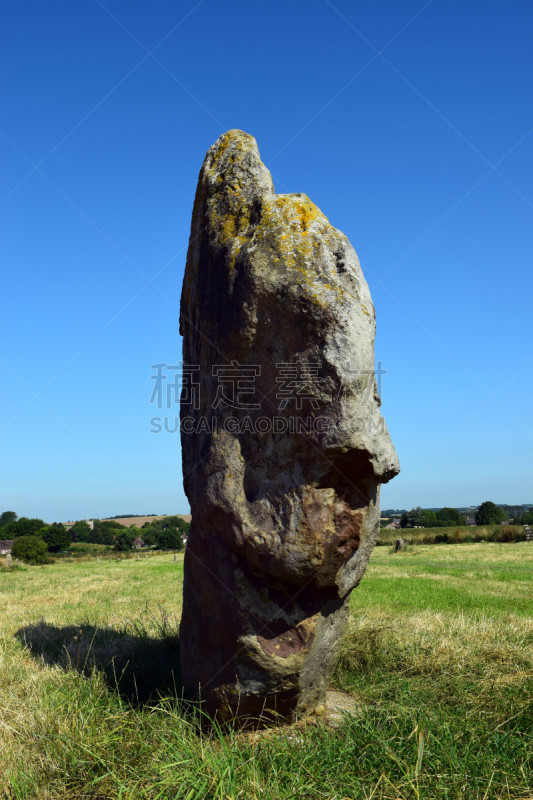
283,523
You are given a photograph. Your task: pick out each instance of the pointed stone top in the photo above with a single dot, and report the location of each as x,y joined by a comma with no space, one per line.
233,166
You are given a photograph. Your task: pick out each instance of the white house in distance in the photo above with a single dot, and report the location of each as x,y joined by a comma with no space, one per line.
5,546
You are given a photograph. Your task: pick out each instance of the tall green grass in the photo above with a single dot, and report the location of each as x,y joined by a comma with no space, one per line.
457,534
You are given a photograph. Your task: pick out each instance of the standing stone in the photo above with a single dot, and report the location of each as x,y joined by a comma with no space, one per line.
284,447
9,560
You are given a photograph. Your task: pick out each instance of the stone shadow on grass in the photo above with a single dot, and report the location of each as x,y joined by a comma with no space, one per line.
140,667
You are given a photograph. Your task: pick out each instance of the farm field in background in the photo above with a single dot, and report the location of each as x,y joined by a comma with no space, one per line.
456,534
439,656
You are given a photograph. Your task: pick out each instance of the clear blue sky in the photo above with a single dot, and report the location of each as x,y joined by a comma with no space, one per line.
409,124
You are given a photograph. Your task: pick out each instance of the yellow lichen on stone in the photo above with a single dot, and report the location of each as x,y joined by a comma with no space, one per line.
295,227
298,211
290,227
233,137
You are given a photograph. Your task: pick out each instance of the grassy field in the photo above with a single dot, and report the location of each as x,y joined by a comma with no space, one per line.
439,656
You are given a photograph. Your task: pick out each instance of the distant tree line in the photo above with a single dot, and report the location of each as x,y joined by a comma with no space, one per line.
161,534
488,513
103,532
34,540
392,512
525,518
522,515
426,518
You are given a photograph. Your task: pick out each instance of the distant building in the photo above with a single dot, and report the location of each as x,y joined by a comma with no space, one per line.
470,521
5,546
